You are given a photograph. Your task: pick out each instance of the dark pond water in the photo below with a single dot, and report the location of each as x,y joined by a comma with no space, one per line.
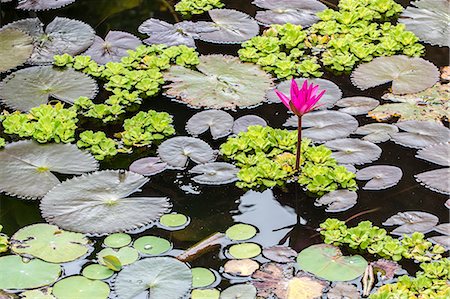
282,216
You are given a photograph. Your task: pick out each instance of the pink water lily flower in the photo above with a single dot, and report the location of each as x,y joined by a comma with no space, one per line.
302,100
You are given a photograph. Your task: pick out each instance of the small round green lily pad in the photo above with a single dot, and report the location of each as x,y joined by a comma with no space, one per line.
241,291
244,250
173,220
241,232
202,277
205,294
43,293
96,271
152,245
80,287
117,240
126,255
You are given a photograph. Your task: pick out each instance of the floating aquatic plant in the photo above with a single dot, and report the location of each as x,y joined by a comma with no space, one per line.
412,221
220,123
354,151
437,154
148,166
357,105
4,243
79,286
420,134
43,4
433,180
195,7
377,133
97,144
244,291
17,46
242,123
338,200
245,267
379,176
215,173
151,245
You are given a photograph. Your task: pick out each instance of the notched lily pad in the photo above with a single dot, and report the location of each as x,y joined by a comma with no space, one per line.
16,47
377,133
216,173
437,154
420,134
43,4
338,200
412,221
148,166
220,123
433,180
444,241
357,105
354,151
242,123
379,176
443,228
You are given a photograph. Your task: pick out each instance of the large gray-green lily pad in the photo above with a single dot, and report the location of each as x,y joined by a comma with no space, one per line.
443,228
338,200
216,173
444,241
325,125
229,27
408,75
99,203
433,180
148,166
420,134
298,12
61,36
332,95
412,221
357,105
113,47
43,4
17,273
377,133
34,86
161,277
80,287
220,123
437,154
379,176
15,49
428,20
327,262
241,291
26,166
242,123
177,151
354,151
220,82
49,243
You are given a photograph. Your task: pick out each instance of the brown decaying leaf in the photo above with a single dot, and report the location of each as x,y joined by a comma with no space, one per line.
245,267
386,267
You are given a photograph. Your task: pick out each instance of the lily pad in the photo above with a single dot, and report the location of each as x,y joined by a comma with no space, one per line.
43,4
298,12
241,232
305,288
113,47
433,180
245,250
229,27
220,82
34,86
244,267
412,221
354,151
444,241
443,228
242,123
387,268
408,75
19,274
96,271
437,154
420,134
216,173
220,123
163,277
377,133
98,203
126,255
32,165
42,293
205,294
279,253
428,20
49,243
177,150
148,166
61,36
343,290
271,280
80,287
174,220
327,101
202,277
379,176
325,125
16,46
152,245
117,240
241,291
338,200
357,105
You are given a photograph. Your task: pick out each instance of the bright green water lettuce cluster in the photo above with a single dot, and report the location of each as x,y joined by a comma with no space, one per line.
375,240
146,127
266,158
44,124
195,7
4,243
98,144
2,142
137,76
430,283
357,32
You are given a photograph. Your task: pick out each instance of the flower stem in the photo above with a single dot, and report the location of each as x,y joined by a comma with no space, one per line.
299,144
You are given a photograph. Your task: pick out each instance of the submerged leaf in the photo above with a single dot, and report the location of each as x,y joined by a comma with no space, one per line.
163,277
387,267
98,203
148,166
15,49
377,133
357,105
242,123
412,221
433,180
221,82
420,134
354,151
408,75
27,166
176,151
216,173
33,86
338,200
43,4
437,154
219,122
379,176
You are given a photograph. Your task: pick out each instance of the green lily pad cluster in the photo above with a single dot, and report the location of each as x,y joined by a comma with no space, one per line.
98,144
357,32
375,240
266,158
137,76
431,282
196,7
44,124
2,142
4,243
